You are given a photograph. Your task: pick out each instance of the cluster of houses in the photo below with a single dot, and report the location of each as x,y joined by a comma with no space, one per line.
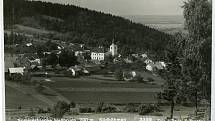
95,55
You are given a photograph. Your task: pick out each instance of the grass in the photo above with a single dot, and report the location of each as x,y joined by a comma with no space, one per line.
94,90
110,97
14,99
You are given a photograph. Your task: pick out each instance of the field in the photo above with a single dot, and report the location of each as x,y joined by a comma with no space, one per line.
94,89
15,98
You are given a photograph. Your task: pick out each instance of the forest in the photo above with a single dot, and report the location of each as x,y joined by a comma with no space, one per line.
80,25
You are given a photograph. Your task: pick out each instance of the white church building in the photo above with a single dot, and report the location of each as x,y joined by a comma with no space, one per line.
99,53
113,49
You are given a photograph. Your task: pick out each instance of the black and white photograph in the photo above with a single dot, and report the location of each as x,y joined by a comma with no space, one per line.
107,60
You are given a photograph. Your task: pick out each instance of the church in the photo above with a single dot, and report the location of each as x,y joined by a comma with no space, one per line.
99,53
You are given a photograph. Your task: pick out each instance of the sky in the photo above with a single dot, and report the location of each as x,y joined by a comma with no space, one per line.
129,7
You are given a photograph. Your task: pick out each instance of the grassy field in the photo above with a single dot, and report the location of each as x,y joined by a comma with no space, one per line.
14,99
94,89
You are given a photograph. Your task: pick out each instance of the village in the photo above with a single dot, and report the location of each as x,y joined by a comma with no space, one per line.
86,61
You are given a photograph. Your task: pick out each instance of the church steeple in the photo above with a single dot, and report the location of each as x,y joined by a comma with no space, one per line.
113,48
113,41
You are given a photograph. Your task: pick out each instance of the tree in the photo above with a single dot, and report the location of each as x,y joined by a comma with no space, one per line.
196,61
118,75
60,109
173,86
52,59
67,59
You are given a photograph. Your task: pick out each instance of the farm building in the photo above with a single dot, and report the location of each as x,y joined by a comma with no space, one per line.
18,70
77,70
28,60
148,61
155,66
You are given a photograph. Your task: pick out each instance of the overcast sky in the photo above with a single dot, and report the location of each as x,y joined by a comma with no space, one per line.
129,7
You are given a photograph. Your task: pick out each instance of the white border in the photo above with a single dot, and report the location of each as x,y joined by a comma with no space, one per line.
213,66
2,87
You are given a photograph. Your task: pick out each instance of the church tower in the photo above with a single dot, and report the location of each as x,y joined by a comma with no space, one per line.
113,49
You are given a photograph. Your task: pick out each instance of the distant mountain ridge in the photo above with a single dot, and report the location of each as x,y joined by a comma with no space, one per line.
156,19
166,23
86,26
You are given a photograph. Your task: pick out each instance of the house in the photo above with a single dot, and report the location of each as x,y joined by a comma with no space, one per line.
131,75
78,70
148,61
144,56
29,44
129,59
98,54
155,66
16,70
150,67
75,70
28,59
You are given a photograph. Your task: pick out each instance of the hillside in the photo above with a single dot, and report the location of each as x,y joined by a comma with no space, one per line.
81,25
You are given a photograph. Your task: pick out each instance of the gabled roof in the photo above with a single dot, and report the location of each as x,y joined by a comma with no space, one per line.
31,56
98,50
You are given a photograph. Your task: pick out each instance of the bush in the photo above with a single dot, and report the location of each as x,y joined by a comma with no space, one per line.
60,109
31,113
131,107
109,109
150,79
86,110
72,105
138,78
17,77
49,110
41,110
146,109
118,75
99,107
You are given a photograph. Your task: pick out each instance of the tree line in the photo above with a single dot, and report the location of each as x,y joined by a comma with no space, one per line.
81,25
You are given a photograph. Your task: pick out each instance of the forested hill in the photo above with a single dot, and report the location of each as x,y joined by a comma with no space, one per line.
85,26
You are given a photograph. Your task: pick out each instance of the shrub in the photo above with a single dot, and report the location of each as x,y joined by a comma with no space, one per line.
146,109
99,107
31,113
109,109
86,110
60,109
131,107
40,110
48,110
138,78
118,75
72,105
150,79
17,77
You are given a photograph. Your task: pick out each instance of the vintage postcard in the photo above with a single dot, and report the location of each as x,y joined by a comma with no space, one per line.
107,60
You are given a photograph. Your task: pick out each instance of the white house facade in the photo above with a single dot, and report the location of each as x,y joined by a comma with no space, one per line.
98,54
